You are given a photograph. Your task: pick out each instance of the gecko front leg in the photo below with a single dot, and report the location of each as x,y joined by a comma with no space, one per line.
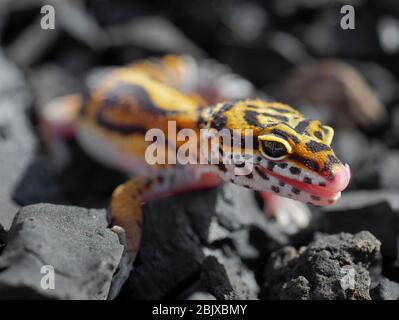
125,209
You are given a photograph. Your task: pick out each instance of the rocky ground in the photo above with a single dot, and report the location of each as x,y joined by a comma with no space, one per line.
212,244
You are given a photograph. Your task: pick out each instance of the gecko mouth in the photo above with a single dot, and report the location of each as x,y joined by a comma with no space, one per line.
332,189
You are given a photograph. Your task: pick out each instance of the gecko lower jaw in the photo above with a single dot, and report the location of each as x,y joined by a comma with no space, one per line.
331,191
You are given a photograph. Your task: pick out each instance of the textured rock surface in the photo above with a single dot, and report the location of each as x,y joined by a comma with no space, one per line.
76,242
333,267
190,244
385,290
17,141
375,211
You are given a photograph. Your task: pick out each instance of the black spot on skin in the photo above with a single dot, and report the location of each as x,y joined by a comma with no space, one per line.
309,163
316,198
227,106
331,160
276,116
246,186
281,110
271,165
281,183
261,174
295,170
249,176
122,129
322,184
232,180
121,91
315,147
307,180
318,135
251,117
295,191
285,135
275,189
282,165
252,106
219,121
302,126
222,167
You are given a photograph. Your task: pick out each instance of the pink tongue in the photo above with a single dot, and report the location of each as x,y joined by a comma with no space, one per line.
339,183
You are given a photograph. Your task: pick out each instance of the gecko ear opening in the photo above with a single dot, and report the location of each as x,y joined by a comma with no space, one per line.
328,134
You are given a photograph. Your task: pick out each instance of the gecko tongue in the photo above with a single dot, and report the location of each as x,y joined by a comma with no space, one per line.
330,191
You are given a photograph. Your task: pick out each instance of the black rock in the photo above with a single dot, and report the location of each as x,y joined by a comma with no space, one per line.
38,185
385,290
224,282
181,232
375,211
367,172
77,243
333,267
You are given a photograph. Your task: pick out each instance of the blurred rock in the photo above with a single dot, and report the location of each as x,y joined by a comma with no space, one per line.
366,171
385,290
32,44
17,141
50,81
388,34
333,267
75,242
375,211
325,37
153,33
73,18
338,86
380,78
38,184
201,296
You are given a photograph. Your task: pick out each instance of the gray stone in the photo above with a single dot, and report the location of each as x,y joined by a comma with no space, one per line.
16,150
201,296
76,242
16,137
385,290
333,267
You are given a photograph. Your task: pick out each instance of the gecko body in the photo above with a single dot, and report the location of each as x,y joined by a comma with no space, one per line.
291,155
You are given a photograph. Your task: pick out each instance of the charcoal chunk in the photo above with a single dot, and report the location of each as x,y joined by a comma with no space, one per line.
332,267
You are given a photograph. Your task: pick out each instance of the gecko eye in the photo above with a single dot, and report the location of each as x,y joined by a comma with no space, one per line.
274,148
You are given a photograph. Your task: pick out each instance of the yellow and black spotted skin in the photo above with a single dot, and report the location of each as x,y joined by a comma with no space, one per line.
128,101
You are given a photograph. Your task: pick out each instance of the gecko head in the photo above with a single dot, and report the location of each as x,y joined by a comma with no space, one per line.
290,155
